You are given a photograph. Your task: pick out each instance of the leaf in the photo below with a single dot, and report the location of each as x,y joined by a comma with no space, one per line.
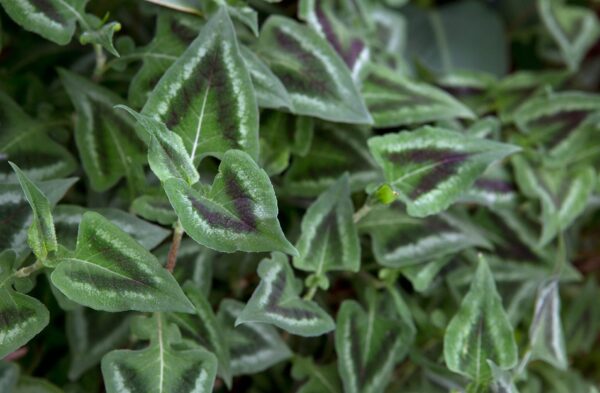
394,100
101,35
239,212
422,275
546,335
501,380
29,384
9,374
24,141
167,155
112,272
276,301
16,214
204,328
41,235
329,240
431,167
154,208
348,43
320,378
52,19
368,344
160,367
480,331
106,139
254,347
191,6
91,335
270,92
491,190
574,29
206,96
316,78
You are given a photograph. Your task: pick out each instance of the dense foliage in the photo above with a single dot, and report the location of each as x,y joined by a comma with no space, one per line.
353,196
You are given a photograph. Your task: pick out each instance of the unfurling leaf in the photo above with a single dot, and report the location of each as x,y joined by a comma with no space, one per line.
431,167
480,331
161,367
316,78
395,100
112,272
42,235
206,96
102,35
239,212
276,300
329,240
546,335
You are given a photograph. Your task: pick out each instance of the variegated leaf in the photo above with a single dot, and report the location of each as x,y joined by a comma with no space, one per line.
54,20
41,235
270,92
400,240
16,214
276,300
320,379
329,239
106,139
154,208
491,191
167,155
254,347
574,29
422,275
472,88
394,100
368,344
206,96
317,79
431,167
563,194
204,328
160,367
349,45
480,331
239,212
110,271
546,335
24,141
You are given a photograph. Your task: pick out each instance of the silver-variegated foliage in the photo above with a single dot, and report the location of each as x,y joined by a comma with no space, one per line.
431,167
276,301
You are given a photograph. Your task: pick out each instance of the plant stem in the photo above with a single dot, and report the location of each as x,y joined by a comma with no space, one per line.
100,62
27,270
177,235
311,293
363,211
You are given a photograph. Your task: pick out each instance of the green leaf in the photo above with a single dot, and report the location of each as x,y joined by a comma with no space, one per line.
254,347
24,141
239,212
276,300
16,214
431,167
502,381
167,155
575,29
102,35
190,6
329,239
52,19
546,335
422,275
106,139
36,385
160,367
112,272
320,379
368,344
204,328
316,78
206,96
394,100
480,331
9,374
21,319
41,235
154,208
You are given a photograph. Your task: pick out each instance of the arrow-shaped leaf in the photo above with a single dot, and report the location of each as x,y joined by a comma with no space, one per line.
431,167
254,347
276,300
112,272
239,212
315,77
394,100
160,367
480,331
206,96
329,240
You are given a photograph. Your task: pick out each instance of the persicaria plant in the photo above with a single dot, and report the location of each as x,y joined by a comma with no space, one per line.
340,196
